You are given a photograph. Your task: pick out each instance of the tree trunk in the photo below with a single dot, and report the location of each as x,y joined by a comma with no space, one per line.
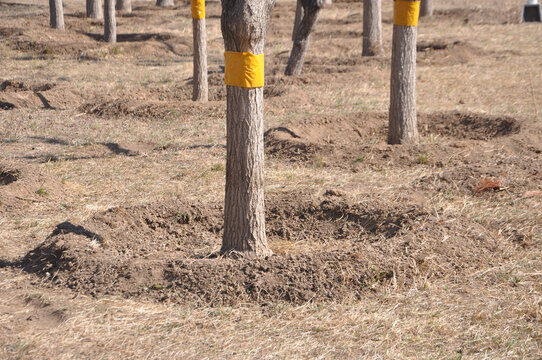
372,27
164,3
311,10
94,9
110,22
200,90
426,8
328,2
298,17
244,27
124,6
402,117
56,14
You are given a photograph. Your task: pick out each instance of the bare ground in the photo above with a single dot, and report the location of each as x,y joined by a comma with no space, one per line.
111,188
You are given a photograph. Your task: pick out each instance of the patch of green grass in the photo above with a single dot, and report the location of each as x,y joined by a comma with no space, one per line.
217,167
42,191
360,158
115,50
423,159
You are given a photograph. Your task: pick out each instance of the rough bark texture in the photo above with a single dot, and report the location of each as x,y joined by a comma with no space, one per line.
56,14
311,10
164,3
201,89
403,122
244,26
124,6
372,27
110,22
298,17
94,9
426,8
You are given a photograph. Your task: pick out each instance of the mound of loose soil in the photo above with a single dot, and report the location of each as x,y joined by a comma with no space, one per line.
469,125
480,15
332,65
444,52
364,134
18,86
164,252
31,94
125,107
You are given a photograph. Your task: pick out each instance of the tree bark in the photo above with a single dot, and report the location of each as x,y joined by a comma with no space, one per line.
244,27
201,87
298,17
311,10
372,28
110,22
124,6
56,13
426,8
164,3
94,9
403,126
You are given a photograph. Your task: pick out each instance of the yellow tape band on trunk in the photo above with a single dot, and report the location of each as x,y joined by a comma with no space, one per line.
406,13
198,9
244,69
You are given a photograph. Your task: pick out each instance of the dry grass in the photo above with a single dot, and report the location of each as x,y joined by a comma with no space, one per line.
495,313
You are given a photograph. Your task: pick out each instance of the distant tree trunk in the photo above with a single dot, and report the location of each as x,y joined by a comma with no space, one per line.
94,9
56,12
164,3
244,27
311,10
110,22
402,117
201,87
426,8
124,6
298,17
372,27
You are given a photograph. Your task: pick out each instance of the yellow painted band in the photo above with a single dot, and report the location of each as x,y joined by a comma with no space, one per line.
244,69
406,13
198,9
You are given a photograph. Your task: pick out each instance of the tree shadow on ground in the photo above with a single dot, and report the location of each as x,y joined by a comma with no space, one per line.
132,37
31,265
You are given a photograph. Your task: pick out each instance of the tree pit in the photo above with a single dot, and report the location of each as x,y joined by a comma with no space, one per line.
327,248
360,139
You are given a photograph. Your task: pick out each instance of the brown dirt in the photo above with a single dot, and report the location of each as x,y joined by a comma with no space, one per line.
166,251
111,190
38,313
31,94
453,142
22,185
480,15
444,52
469,126
351,134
